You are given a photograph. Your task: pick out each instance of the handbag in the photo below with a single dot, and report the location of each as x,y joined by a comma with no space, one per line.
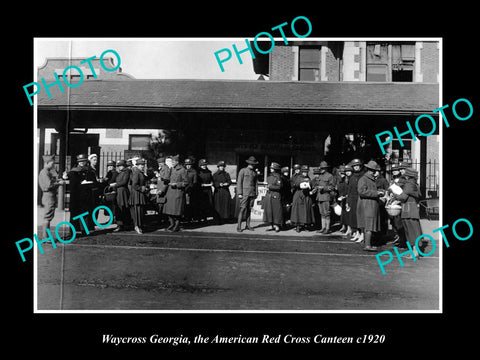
109,196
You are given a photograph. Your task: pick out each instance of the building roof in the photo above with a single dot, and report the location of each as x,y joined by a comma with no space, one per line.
245,96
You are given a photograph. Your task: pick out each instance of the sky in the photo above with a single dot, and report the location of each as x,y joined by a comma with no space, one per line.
148,58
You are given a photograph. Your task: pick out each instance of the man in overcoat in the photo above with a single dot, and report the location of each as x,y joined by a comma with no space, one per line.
369,204
138,195
175,198
247,192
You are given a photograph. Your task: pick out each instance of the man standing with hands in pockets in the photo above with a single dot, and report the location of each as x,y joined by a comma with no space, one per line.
246,192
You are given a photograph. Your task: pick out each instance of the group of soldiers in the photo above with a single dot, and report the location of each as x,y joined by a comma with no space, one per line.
184,192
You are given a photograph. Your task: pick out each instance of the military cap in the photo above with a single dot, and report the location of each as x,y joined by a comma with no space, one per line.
48,158
285,169
202,162
297,166
323,165
110,163
251,160
221,163
356,162
121,163
304,168
140,162
275,166
316,170
348,167
82,157
188,161
394,167
372,165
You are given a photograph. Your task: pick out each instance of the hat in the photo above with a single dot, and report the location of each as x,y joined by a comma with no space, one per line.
161,160
251,160
110,163
348,167
129,162
82,157
372,165
275,166
403,165
394,167
297,166
316,170
91,156
284,169
48,158
121,163
411,172
188,161
304,168
221,163
356,162
176,157
341,169
140,162
324,165
202,162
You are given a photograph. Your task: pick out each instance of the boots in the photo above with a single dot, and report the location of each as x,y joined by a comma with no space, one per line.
368,242
327,226
239,222
360,237
248,224
322,230
171,222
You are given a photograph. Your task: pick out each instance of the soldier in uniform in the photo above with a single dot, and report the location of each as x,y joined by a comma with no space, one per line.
322,186
163,178
175,198
302,206
205,201
221,197
369,204
192,190
348,176
247,192
138,197
272,208
122,210
49,183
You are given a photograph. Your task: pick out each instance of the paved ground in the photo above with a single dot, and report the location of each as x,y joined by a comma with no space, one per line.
215,268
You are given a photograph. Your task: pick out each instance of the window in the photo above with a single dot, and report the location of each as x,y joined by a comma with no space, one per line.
390,61
139,142
309,64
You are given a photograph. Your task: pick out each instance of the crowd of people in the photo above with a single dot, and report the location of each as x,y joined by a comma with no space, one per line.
357,195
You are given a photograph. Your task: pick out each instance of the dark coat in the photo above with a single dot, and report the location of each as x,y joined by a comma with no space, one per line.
272,205
138,194
163,178
80,194
247,182
205,205
381,182
222,198
121,185
286,190
175,198
368,208
352,198
111,176
409,198
323,185
302,204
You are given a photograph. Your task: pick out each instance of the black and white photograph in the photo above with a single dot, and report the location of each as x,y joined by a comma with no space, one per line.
231,175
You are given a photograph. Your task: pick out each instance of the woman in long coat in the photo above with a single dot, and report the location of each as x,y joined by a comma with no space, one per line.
272,206
138,197
175,199
205,201
221,198
369,204
302,205
410,213
122,211
352,199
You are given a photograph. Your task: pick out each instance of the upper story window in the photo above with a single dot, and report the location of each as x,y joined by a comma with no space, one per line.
309,64
390,61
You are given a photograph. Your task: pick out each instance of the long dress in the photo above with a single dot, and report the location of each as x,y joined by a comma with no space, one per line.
221,198
205,201
138,199
273,210
302,205
352,198
368,207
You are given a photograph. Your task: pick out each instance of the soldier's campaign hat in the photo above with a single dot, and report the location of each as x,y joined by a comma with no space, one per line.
121,163
356,162
110,163
188,161
202,162
221,163
284,169
348,167
411,172
304,168
403,165
316,170
275,166
140,162
48,158
82,157
251,160
372,165
323,165
161,160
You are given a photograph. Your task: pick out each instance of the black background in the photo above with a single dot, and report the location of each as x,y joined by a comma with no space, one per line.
406,334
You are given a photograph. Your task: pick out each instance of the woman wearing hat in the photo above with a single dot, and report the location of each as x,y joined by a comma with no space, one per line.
138,198
221,197
352,199
122,210
192,191
272,206
205,201
369,204
175,199
246,192
302,204
410,213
